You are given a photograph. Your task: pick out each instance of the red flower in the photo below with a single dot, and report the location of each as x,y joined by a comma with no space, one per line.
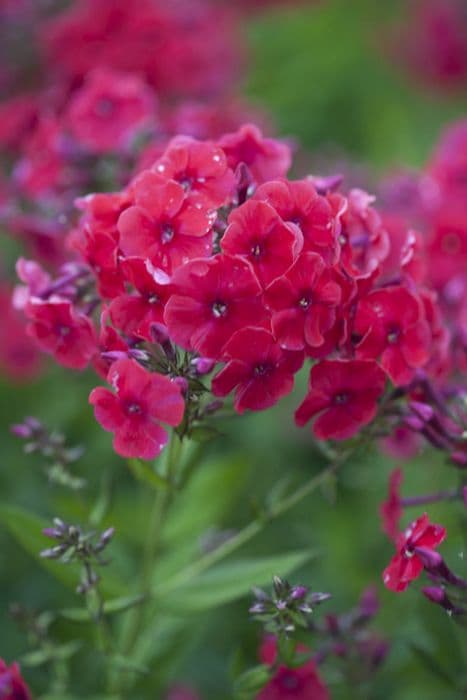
302,683
12,685
109,110
19,358
163,226
61,331
133,314
345,394
213,299
256,232
109,341
391,325
405,566
142,400
391,509
265,158
199,167
304,303
259,369
297,202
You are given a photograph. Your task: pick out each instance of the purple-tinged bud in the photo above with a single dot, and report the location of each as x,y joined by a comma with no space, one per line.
114,355
317,598
326,184
257,609
213,407
137,354
369,603
298,592
422,410
52,532
281,604
21,430
203,365
53,552
430,559
435,594
414,423
182,383
159,333
107,535
459,458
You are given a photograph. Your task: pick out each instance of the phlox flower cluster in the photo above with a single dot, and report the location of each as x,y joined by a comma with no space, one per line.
212,258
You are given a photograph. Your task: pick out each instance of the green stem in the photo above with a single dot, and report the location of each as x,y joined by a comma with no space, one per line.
243,536
158,514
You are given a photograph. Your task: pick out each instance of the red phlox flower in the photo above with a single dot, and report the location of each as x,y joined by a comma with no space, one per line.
142,400
392,326
109,341
36,281
265,158
12,685
109,110
61,331
162,225
302,683
133,314
401,444
213,298
407,256
42,169
255,231
200,167
447,254
303,302
19,359
391,509
448,165
18,116
259,370
344,395
405,566
363,238
101,252
297,202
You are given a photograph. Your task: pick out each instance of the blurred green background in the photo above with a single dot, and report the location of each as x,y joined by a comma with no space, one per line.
321,70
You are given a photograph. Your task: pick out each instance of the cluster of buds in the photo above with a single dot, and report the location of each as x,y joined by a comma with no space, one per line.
348,637
287,608
52,446
74,545
450,590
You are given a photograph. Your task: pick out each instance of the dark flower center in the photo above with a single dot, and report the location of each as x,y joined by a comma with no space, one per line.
219,309
262,370
341,398
133,409
393,335
290,681
304,301
167,233
104,107
256,250
153,299
63,330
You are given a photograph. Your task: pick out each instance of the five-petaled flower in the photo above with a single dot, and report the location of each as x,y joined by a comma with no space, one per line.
257,368
406,566
344,395
300,683
142,401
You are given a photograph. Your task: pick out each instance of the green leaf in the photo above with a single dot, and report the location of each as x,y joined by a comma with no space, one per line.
432,665
251,682
42,656
143,471
27,528
111,607
206,501
232,580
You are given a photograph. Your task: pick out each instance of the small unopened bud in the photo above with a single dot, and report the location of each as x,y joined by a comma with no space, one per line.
213,407
203,365
159,333
325,184
114,355
140,355
430,559
298,592
435,594
107,535
423,410
182,383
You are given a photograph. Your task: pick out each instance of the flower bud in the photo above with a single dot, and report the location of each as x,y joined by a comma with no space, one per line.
203,365
430,559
